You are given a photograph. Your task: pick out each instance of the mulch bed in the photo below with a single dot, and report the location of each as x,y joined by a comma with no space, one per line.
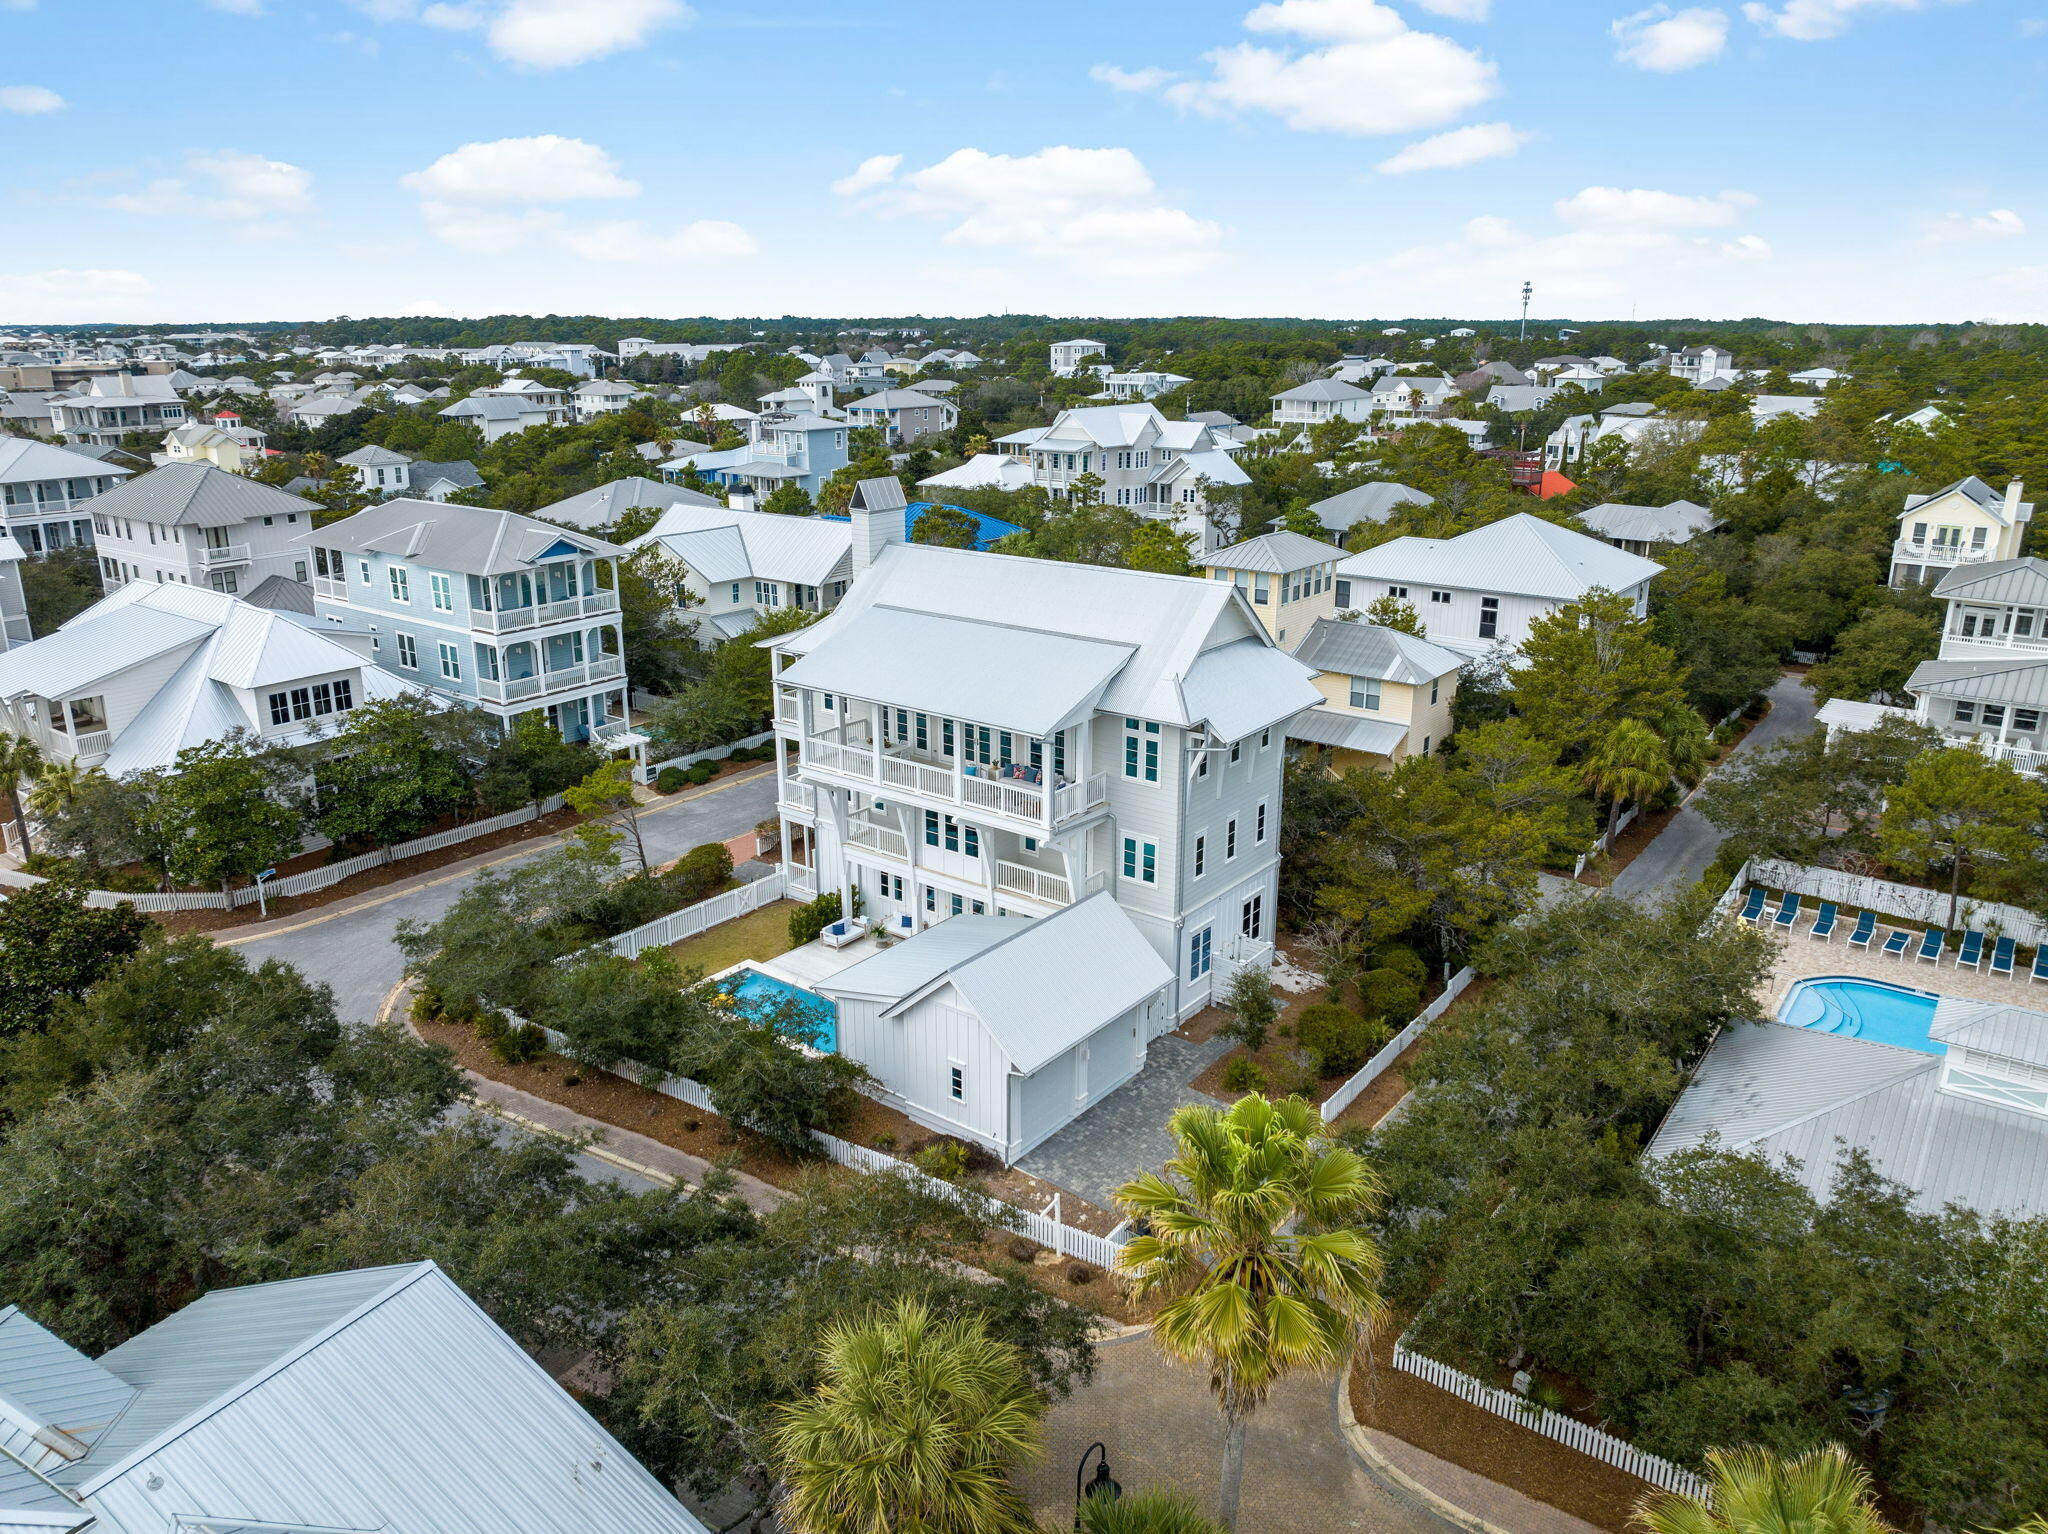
614,1100
1434,1420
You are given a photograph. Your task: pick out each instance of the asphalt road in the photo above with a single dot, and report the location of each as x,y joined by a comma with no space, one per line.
351,947
1685,848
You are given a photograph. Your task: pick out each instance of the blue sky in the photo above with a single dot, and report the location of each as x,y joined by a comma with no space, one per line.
1827,160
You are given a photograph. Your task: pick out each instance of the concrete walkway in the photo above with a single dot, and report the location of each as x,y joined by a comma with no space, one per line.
1685,848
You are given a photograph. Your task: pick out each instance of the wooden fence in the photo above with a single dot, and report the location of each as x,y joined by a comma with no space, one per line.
1569,1431
1389,1052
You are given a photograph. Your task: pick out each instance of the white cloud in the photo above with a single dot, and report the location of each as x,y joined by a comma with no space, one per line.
1460,146
224,184
553,34
29,99
1809,21
1368,71
1095,210
707,239
1610,207
1664,40
1960,228
545,168
453,18
1457,10
1748,247
67,296
869,174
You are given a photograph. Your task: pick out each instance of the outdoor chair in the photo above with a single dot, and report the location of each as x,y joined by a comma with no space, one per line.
1787,912
1753,907
1932,942
1864,930
1897,943
2040,964
1824,924
1971,955
2001,957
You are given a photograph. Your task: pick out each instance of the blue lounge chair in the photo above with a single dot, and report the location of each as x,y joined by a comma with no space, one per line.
1824,924
1787,912
1895,945
1971,956
2001,956
1932,941
1864,930
2040,964
1753,907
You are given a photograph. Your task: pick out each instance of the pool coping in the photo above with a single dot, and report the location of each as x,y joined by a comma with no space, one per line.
1793,988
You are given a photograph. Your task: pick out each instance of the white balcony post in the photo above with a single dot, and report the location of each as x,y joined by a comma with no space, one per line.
875,740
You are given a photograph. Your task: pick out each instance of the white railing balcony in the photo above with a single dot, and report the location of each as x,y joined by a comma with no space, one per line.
1992,643
224,554
879,839
796,798
1032,883
2030,760
788,710
1908,552
333,590
511,619
519,688
48,506
76,748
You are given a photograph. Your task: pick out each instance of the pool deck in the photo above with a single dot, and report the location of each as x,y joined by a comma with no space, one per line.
1801,958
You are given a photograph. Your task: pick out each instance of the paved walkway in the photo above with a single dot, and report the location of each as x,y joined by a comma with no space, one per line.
1126,1132
1682,852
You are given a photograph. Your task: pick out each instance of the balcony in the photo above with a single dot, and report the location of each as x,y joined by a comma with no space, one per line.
848,752
520,688
1965,646
794,798
2028,759
215,555
1905,551
882,840
333,590
512,619
1032,883
49,506
59,745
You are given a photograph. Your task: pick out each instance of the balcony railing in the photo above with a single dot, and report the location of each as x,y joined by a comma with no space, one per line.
517,689
881,839
58,743
1912,553
1950,638
1032,883
53,505
514,618
333,590
797,798
2028,759
848,751
224,554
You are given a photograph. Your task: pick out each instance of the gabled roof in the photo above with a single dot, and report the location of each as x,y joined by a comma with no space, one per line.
373,457
720,544
22,460
2022,582
1039,987
1322,389
1274,553
1370,650
1521,555
884,400
1979,494
459,472
593,508
2021,680
473,540
1366,503
1992,1028
1675,523
489,407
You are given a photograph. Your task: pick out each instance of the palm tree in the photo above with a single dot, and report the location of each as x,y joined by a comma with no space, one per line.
1756,1492
1146,1512
59,786
1630,763
21,761
913,1427
1254,1228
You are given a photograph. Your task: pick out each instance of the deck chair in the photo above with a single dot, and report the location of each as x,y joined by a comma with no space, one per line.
1864,930
1824,924
1971,955
2040,964
2001,957
1787,912
1753,907
1895,946
1932,942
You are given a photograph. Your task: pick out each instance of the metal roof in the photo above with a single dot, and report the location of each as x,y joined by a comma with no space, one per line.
1992,1028
22,461
1519,555
1275,554
720,544
372,457
196,495
1039,987
50,1393
1243,686
1371,650
1979,494
593,508
474,540
1676,523
1366,503
1327,726
2021,680
2023,582
1322,389
1777,1091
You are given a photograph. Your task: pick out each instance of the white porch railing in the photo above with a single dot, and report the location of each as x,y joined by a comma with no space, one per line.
512,689
1032,883
880,839
513,618
224,554
1908,552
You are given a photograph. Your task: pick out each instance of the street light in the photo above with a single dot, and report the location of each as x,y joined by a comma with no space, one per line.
1100,1485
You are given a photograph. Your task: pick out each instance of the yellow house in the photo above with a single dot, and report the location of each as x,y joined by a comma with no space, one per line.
1289,580
223,442
1386,695
1967,523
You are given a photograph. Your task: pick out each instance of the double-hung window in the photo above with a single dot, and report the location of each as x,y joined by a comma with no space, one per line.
1489,619
1141,861
1141,751
443,591
1251,920
1365,692
451,661
1229,840
408,652
1259,825
401,584
1201,854
1198,954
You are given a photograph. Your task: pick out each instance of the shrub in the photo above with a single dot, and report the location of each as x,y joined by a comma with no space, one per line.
669,779
1021,1250
427,1004
943,1159
885,1141
1344,1039
813,917
702,870
1244,1075
1402,959
1080,1273
1390,995
1252,1008
701,773
509,1042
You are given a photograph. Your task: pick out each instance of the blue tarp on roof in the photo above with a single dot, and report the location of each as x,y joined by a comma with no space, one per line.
987,528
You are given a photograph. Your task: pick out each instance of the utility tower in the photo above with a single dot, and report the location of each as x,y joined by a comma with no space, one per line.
1525,313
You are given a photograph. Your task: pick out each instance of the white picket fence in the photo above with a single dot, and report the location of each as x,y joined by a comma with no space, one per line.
300,883
712,753
1389,1052
1908,902
701,917
1569,1431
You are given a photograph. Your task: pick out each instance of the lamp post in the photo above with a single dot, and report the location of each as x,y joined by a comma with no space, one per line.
1100,1485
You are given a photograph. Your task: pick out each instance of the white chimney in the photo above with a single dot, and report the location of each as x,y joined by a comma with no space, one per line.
878,510
2016,511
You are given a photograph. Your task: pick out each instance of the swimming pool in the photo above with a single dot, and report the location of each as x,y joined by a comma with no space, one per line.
1864,1009
757,992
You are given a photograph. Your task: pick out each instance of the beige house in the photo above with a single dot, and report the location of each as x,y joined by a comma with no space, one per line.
1290,581
1386,695
223,442
1967,523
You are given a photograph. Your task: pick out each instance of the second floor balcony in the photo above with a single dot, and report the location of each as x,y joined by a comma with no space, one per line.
216,555
546,683
851,753
1909,552
535,614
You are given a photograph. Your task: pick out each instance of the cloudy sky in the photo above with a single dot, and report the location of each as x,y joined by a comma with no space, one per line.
254,159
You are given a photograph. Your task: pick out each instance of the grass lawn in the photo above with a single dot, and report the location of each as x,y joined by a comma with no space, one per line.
759,934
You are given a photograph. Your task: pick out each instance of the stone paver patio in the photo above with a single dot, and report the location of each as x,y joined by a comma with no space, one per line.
1800,957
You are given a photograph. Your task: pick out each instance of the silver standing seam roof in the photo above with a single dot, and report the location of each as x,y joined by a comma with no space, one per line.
196,495
22,460
1366,503
594,508
1275,553
1519,555
2022,680
1327,726
473,540
2023,582
1372,650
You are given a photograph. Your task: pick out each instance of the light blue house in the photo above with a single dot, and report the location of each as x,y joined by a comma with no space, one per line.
786,447
380,1399
491,607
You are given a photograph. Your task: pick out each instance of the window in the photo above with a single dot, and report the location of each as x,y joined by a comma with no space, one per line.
1997,1089
1251,920
2026,719
1141,751
931,828
1992,716
1236,750
1440,596
401,584
1365,692
1966,713
316,701
443,591
1262,589
408,652
735,593
1201,854
451,661
956,1076
767,594
1141,861
1919,532
1198,954
1229,840
1434,684
1265,738
1259,825
299,571
1202,765
1489,620
1343,593
1398,591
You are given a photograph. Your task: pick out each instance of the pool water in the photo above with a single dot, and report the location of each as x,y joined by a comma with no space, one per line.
1864,1009
757,992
